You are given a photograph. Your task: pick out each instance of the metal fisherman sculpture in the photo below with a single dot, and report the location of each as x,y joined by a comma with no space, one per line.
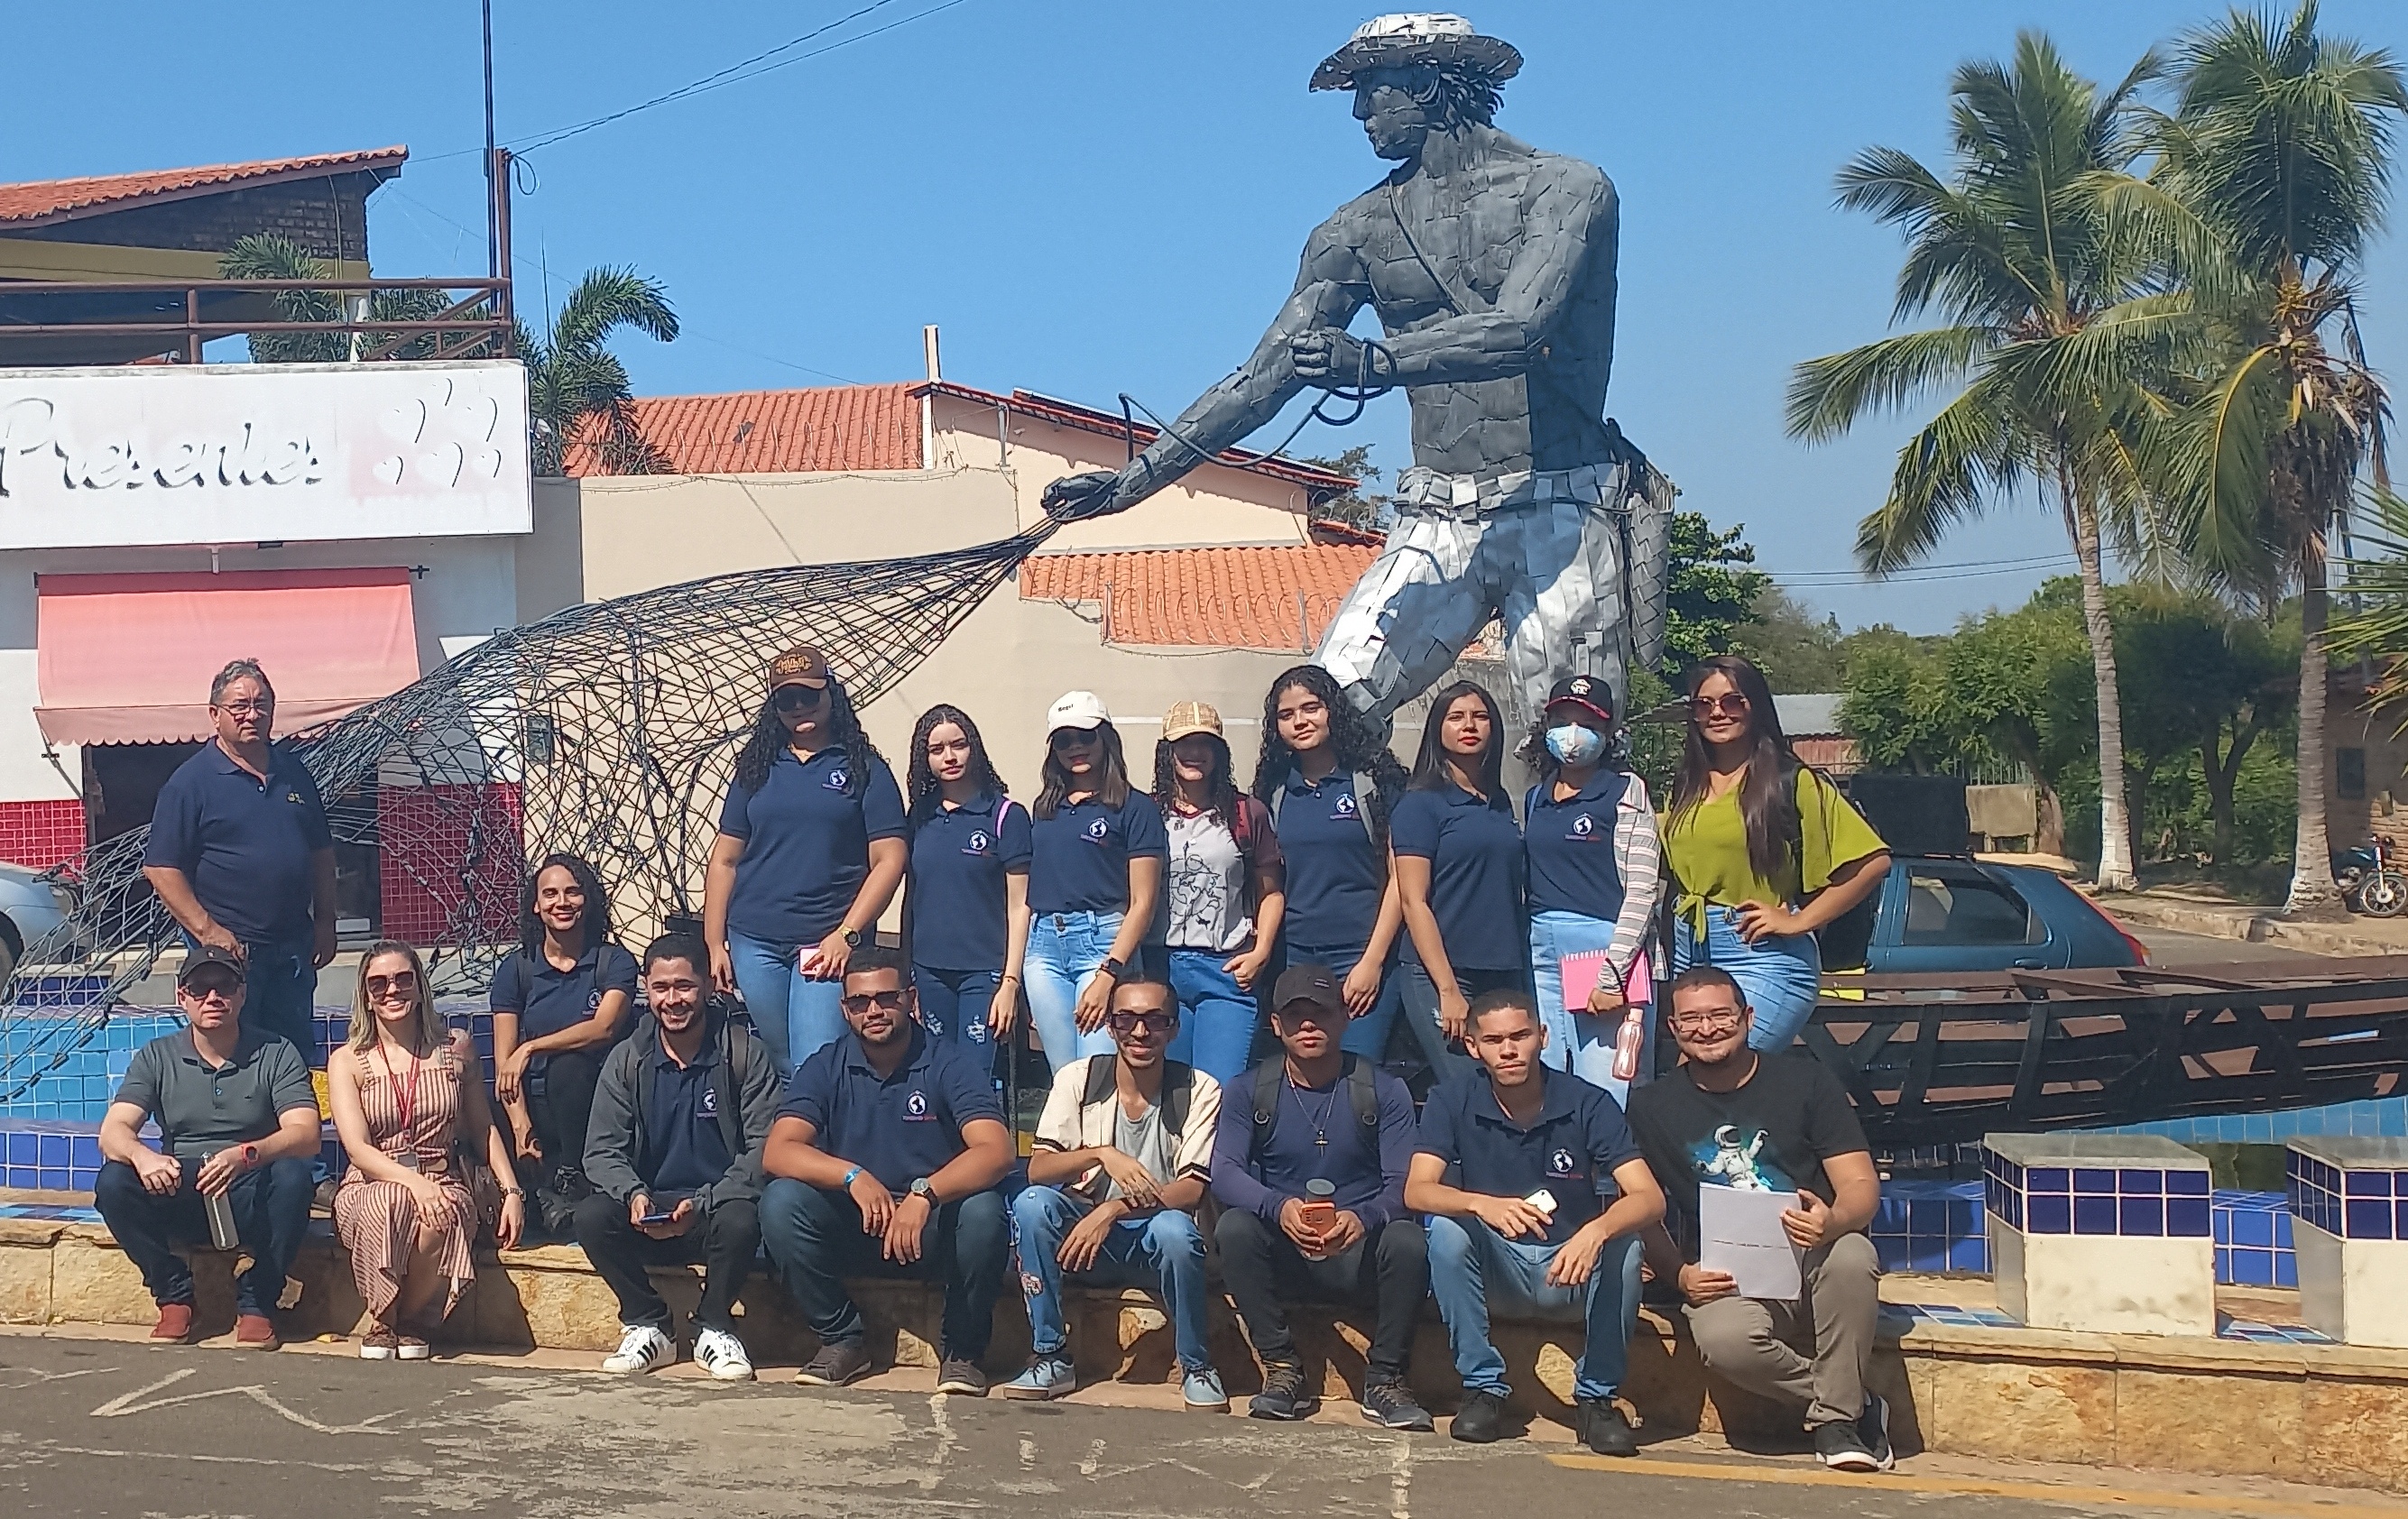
1491,266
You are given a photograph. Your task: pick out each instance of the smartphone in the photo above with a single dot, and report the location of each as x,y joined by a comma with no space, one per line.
648,1220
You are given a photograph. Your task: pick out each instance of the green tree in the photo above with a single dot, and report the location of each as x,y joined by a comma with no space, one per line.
1796,649
2273,170
1358,508
2197,680
2050,315
267,255
1714,590
576,389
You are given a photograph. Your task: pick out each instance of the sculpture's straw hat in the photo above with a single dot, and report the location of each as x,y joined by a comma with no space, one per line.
1419,36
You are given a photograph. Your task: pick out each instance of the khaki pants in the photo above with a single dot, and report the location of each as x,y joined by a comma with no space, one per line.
1747,1340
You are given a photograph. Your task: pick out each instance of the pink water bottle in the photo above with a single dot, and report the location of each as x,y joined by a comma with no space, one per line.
1627,1041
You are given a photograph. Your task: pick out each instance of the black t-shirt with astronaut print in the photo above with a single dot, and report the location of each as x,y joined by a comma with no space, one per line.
1771,1134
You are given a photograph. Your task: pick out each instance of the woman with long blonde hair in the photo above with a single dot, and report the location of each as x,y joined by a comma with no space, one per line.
408,1096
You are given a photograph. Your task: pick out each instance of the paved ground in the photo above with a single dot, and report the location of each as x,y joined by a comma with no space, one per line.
116,1427
2202,952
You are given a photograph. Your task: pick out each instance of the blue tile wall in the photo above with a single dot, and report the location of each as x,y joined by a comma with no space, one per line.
2377,1117
2134,1202
1929,1225
2253,1240
2354,1202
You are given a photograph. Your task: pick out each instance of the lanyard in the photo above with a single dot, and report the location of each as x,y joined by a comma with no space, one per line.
406,1098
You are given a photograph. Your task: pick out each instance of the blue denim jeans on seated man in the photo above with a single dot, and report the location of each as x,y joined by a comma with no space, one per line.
793,1014
815,1241
1063,950
1474,1271
1165,1252
271,1218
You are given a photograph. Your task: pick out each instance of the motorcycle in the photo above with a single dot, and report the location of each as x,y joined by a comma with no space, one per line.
2370,879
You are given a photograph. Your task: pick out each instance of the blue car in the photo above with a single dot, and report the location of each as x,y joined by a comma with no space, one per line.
1943,915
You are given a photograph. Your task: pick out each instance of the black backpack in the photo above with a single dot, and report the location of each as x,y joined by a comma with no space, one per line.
1178,1089
1354,1074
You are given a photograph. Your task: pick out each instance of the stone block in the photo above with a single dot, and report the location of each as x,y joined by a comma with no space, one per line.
2229,1422
2357,1431
92,1282
25,1278
2063,1411
2101,1233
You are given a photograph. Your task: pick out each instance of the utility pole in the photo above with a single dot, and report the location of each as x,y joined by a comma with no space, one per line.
495,189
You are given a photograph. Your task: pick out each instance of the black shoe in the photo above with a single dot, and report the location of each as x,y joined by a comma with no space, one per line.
1872,1428
1841,1447
1479,1420
835,1365
1284,1395
1603,1430
1389,1403
960,1378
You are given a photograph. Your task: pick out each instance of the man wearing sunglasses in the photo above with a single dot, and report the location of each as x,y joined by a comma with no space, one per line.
1731,1116
237,1126
1122,1156
885,1159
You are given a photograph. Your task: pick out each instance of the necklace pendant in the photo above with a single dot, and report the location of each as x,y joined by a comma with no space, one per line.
1319,1139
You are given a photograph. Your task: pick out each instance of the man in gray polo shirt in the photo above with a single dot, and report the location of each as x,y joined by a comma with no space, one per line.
237,1119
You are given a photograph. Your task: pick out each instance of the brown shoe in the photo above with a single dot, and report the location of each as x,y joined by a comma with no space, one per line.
380,1344
255,1331
175,1323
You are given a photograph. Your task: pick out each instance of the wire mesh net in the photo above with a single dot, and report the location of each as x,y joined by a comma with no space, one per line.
609,730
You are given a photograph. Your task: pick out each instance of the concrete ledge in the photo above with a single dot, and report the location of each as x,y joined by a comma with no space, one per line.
2253,926
2333,1414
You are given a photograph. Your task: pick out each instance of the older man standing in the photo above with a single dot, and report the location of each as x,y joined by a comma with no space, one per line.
242,855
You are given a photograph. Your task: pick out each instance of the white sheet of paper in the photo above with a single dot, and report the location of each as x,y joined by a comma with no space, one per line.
1739,1234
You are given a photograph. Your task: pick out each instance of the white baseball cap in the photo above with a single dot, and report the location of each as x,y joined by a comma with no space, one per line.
1077,709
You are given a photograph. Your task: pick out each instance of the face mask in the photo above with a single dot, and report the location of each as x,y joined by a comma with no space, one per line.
1572,744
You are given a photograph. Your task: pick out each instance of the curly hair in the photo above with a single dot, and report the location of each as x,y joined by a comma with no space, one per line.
1356,741
595,926
922,790
770,738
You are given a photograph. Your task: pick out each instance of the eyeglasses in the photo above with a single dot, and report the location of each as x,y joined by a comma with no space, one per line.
885,1001
403,986
248,709
1713,1020
1730,704
796,698
1133,1020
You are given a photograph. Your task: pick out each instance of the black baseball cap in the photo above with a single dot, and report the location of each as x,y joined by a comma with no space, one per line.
1316,984
205,956
1584,691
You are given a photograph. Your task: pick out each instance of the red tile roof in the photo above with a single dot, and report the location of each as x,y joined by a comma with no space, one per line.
830,427
44,201
1320,485
1226,597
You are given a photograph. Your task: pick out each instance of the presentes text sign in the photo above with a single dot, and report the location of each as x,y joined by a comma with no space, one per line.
241,454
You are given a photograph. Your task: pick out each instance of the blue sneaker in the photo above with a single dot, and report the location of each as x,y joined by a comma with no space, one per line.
1201,1388
1048,1377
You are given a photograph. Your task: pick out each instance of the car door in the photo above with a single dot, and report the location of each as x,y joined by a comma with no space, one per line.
1952,915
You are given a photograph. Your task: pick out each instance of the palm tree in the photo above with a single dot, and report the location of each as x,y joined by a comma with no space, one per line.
576,389
2052,322
2272,170
267,255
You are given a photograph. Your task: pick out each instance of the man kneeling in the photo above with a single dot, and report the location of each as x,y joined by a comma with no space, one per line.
885,1159
680,1114
1512,1168
1118,1169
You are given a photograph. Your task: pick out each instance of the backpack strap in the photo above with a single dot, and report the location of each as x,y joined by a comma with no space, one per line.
1103,1070
1002,810
1267,1080
1178,1096
1361,1093
1278,795
730,1081
1365,789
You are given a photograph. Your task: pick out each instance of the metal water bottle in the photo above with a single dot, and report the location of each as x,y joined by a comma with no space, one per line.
1628,1041
221,1212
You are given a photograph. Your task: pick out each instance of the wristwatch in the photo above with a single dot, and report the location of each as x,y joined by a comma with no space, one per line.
923,1190
1113,968
852,939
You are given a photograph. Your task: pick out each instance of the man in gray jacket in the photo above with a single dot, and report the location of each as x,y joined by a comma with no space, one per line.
674,1155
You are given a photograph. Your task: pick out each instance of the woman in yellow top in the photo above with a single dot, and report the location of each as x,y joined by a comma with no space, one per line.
1763,851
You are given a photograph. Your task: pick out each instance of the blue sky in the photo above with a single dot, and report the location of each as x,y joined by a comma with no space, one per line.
1094,196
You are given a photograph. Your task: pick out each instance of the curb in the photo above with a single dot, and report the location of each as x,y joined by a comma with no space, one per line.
2251,927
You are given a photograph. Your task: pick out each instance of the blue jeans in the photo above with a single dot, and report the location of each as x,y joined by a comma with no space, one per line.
1217,1016
271,1218
814,1240
1474,1271
954,1005
793,1014
1781,976
1165,1252
1579,1042
1367,1035
1063,950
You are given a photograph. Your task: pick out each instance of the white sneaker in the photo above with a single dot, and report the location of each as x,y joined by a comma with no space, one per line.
722,1354
641,1348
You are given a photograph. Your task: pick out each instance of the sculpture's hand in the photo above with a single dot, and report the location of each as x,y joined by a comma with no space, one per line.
1074,499
1327,356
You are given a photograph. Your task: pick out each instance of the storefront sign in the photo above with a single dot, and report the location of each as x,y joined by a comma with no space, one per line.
243,453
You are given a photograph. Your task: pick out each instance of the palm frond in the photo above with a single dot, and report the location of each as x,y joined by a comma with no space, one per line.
1965,457
1827,395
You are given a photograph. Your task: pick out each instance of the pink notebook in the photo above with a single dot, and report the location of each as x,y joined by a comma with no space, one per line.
1581,971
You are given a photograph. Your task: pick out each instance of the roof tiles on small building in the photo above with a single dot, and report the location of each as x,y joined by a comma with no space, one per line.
37,202
1272,597
819,429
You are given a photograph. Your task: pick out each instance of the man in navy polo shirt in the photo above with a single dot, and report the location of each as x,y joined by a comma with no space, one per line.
885,1159
1512,1168
240,855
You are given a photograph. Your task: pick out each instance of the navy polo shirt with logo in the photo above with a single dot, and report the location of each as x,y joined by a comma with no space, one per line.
897,1127
1079,857
1571,1150
1335,877
807,834
548,999
684,1149
959,857
243,843
1475,854
1570,846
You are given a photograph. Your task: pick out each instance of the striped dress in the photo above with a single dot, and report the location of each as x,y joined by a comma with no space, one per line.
378,1220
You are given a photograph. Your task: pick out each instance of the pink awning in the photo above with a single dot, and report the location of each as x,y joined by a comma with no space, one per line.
127,659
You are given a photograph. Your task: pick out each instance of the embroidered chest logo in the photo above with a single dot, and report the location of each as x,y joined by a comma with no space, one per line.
836,778
709,1105
593,999
915,1107
1099,831
980,843
1345,808
1583,826
1560,1163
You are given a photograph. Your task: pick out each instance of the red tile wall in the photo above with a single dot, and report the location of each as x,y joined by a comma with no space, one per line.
424,870
41,834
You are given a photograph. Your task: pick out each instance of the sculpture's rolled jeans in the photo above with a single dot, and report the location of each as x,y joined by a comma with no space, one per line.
1542,550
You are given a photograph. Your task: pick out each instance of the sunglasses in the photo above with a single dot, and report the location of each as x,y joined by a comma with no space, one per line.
202,989
404,984
1076,737
1148,1020
798,698
1730,704
885,1001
